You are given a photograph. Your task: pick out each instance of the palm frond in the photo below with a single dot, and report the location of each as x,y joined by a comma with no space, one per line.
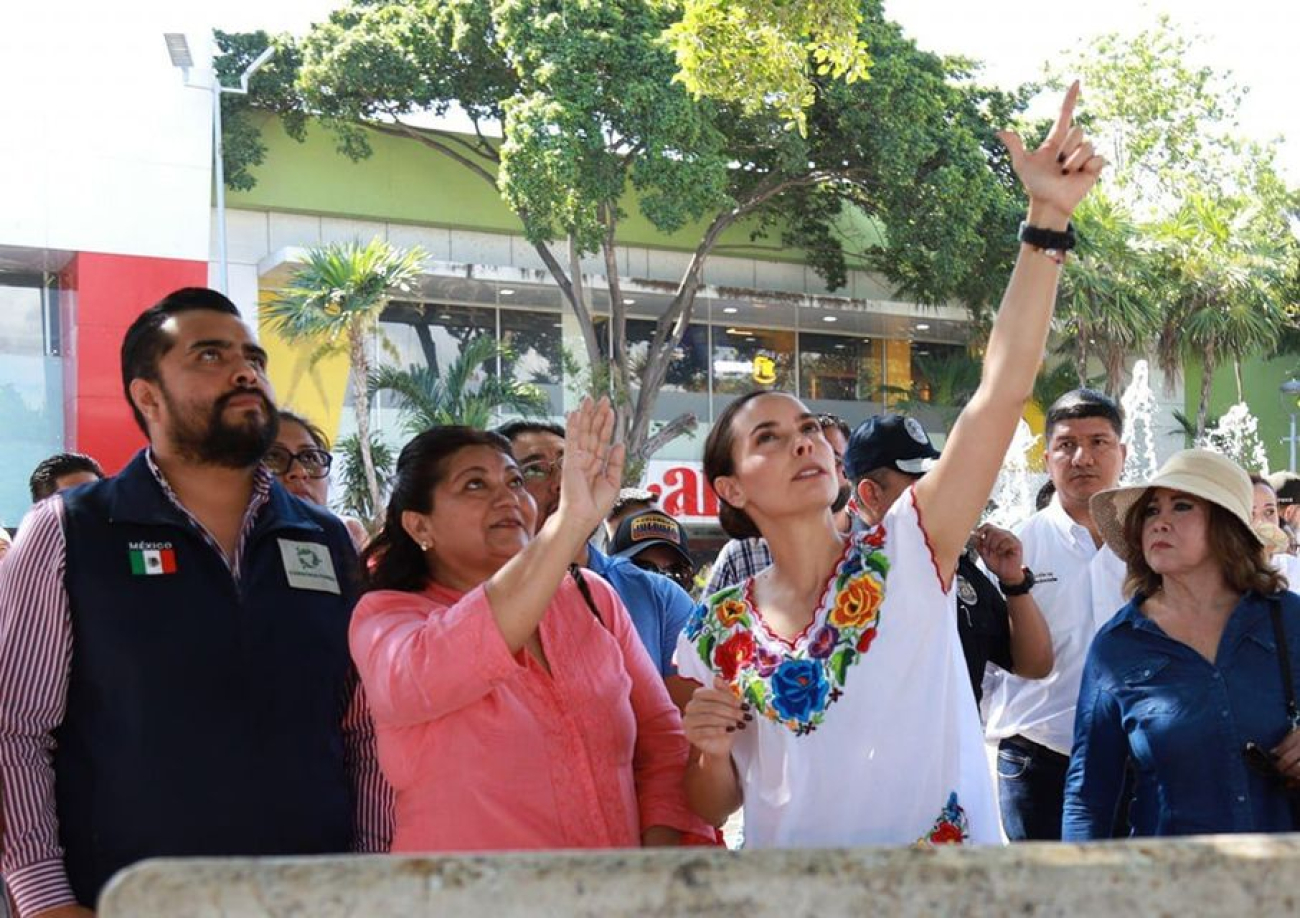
429,399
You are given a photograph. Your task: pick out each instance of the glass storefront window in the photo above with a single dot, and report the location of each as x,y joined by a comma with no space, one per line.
430,334
689,369
748,358
535,340
31,386
943,374
838,368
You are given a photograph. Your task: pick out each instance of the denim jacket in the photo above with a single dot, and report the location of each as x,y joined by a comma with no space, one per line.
1183,722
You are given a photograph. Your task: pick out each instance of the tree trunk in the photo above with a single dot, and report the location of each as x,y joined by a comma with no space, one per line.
361,410
578,300
1207,382
1114,358
1081,354
430,350
1236,374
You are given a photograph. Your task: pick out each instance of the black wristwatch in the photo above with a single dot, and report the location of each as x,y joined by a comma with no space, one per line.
1048,240
1021,588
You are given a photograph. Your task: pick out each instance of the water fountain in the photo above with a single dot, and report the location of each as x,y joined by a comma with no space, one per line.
1014,491
1139,404
1237,437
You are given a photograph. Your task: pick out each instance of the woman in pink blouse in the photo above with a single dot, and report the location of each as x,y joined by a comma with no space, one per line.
512,711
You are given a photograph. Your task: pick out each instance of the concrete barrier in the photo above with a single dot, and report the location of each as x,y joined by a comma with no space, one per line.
1245,875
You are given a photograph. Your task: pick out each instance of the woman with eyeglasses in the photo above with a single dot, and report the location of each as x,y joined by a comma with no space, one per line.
301,459
514,705
1192,682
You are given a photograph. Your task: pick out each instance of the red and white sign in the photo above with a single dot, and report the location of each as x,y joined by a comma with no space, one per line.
683,492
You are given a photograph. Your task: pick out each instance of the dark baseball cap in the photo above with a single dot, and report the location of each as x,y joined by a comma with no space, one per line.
889,441
1287,486
639,531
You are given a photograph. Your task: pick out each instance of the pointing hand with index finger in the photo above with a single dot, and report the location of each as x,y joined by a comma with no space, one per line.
1058,174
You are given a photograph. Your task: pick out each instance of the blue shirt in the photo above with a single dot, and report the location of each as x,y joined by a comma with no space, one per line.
1184,722
659,608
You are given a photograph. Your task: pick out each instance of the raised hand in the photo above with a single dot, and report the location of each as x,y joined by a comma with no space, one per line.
593,463
1060,172
1001,552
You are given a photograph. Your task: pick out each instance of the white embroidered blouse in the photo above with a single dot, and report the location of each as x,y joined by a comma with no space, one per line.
865,728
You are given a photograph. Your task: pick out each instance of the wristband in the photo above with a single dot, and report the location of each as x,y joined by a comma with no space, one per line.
1041,238
1021,588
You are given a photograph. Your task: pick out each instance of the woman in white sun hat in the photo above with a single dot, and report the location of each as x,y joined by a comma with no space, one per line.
1191,681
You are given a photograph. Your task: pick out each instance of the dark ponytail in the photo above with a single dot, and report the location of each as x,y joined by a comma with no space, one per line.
392,560
718,463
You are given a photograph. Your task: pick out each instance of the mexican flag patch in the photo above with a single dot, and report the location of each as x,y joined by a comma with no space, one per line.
150,558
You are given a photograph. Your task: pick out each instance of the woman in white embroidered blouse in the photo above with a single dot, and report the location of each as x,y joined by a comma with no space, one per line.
834,702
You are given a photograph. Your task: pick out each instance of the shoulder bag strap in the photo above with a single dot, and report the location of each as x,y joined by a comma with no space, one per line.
1284,663
576,573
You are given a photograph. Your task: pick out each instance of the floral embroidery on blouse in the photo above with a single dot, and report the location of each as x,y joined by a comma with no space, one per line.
795,683
951,828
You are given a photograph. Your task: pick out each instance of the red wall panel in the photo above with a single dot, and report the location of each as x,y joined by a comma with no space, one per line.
104,295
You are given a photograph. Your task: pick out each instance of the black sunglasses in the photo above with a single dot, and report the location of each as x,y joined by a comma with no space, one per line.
681,574
315,462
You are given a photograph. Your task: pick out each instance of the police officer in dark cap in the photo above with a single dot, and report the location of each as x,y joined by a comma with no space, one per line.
889,453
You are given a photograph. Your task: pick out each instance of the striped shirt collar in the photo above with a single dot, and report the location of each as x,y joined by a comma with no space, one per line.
262,479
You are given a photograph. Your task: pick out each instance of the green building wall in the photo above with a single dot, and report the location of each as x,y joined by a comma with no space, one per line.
1261,380
406,182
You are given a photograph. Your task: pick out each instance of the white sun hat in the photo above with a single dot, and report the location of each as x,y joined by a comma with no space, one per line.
1210,476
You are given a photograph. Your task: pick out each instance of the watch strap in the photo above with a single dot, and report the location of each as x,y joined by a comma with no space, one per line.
1019,589
1048,240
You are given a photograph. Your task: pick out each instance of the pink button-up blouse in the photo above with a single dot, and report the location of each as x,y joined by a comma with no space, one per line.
488,751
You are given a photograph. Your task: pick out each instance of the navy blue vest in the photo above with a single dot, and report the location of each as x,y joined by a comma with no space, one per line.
203,715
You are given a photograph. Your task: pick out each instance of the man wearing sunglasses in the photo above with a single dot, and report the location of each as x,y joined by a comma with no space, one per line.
658,606
174,669
654,541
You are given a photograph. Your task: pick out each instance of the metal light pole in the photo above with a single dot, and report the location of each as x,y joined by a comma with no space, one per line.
1291,389
178,49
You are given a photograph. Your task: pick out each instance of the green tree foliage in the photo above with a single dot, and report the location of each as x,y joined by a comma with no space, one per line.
1225,283
766,53
1109,308
947,379
1196,231
333,301
594,125
429,398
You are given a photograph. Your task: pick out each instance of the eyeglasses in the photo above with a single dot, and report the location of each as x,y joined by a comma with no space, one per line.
541,470
827,421
315,462
679,573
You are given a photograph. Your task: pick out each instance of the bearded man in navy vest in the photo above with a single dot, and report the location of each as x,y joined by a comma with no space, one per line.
174,669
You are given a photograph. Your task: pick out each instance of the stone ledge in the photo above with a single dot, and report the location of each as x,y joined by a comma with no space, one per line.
1243,875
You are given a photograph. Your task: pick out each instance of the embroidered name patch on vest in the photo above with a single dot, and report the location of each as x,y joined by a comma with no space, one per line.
308,566
150,559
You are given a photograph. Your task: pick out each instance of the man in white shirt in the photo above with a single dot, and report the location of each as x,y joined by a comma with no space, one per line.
1078,588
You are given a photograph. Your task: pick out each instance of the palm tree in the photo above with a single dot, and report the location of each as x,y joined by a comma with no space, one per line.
356,499
1051,384
1107,308
429,398
334,302
1229,301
